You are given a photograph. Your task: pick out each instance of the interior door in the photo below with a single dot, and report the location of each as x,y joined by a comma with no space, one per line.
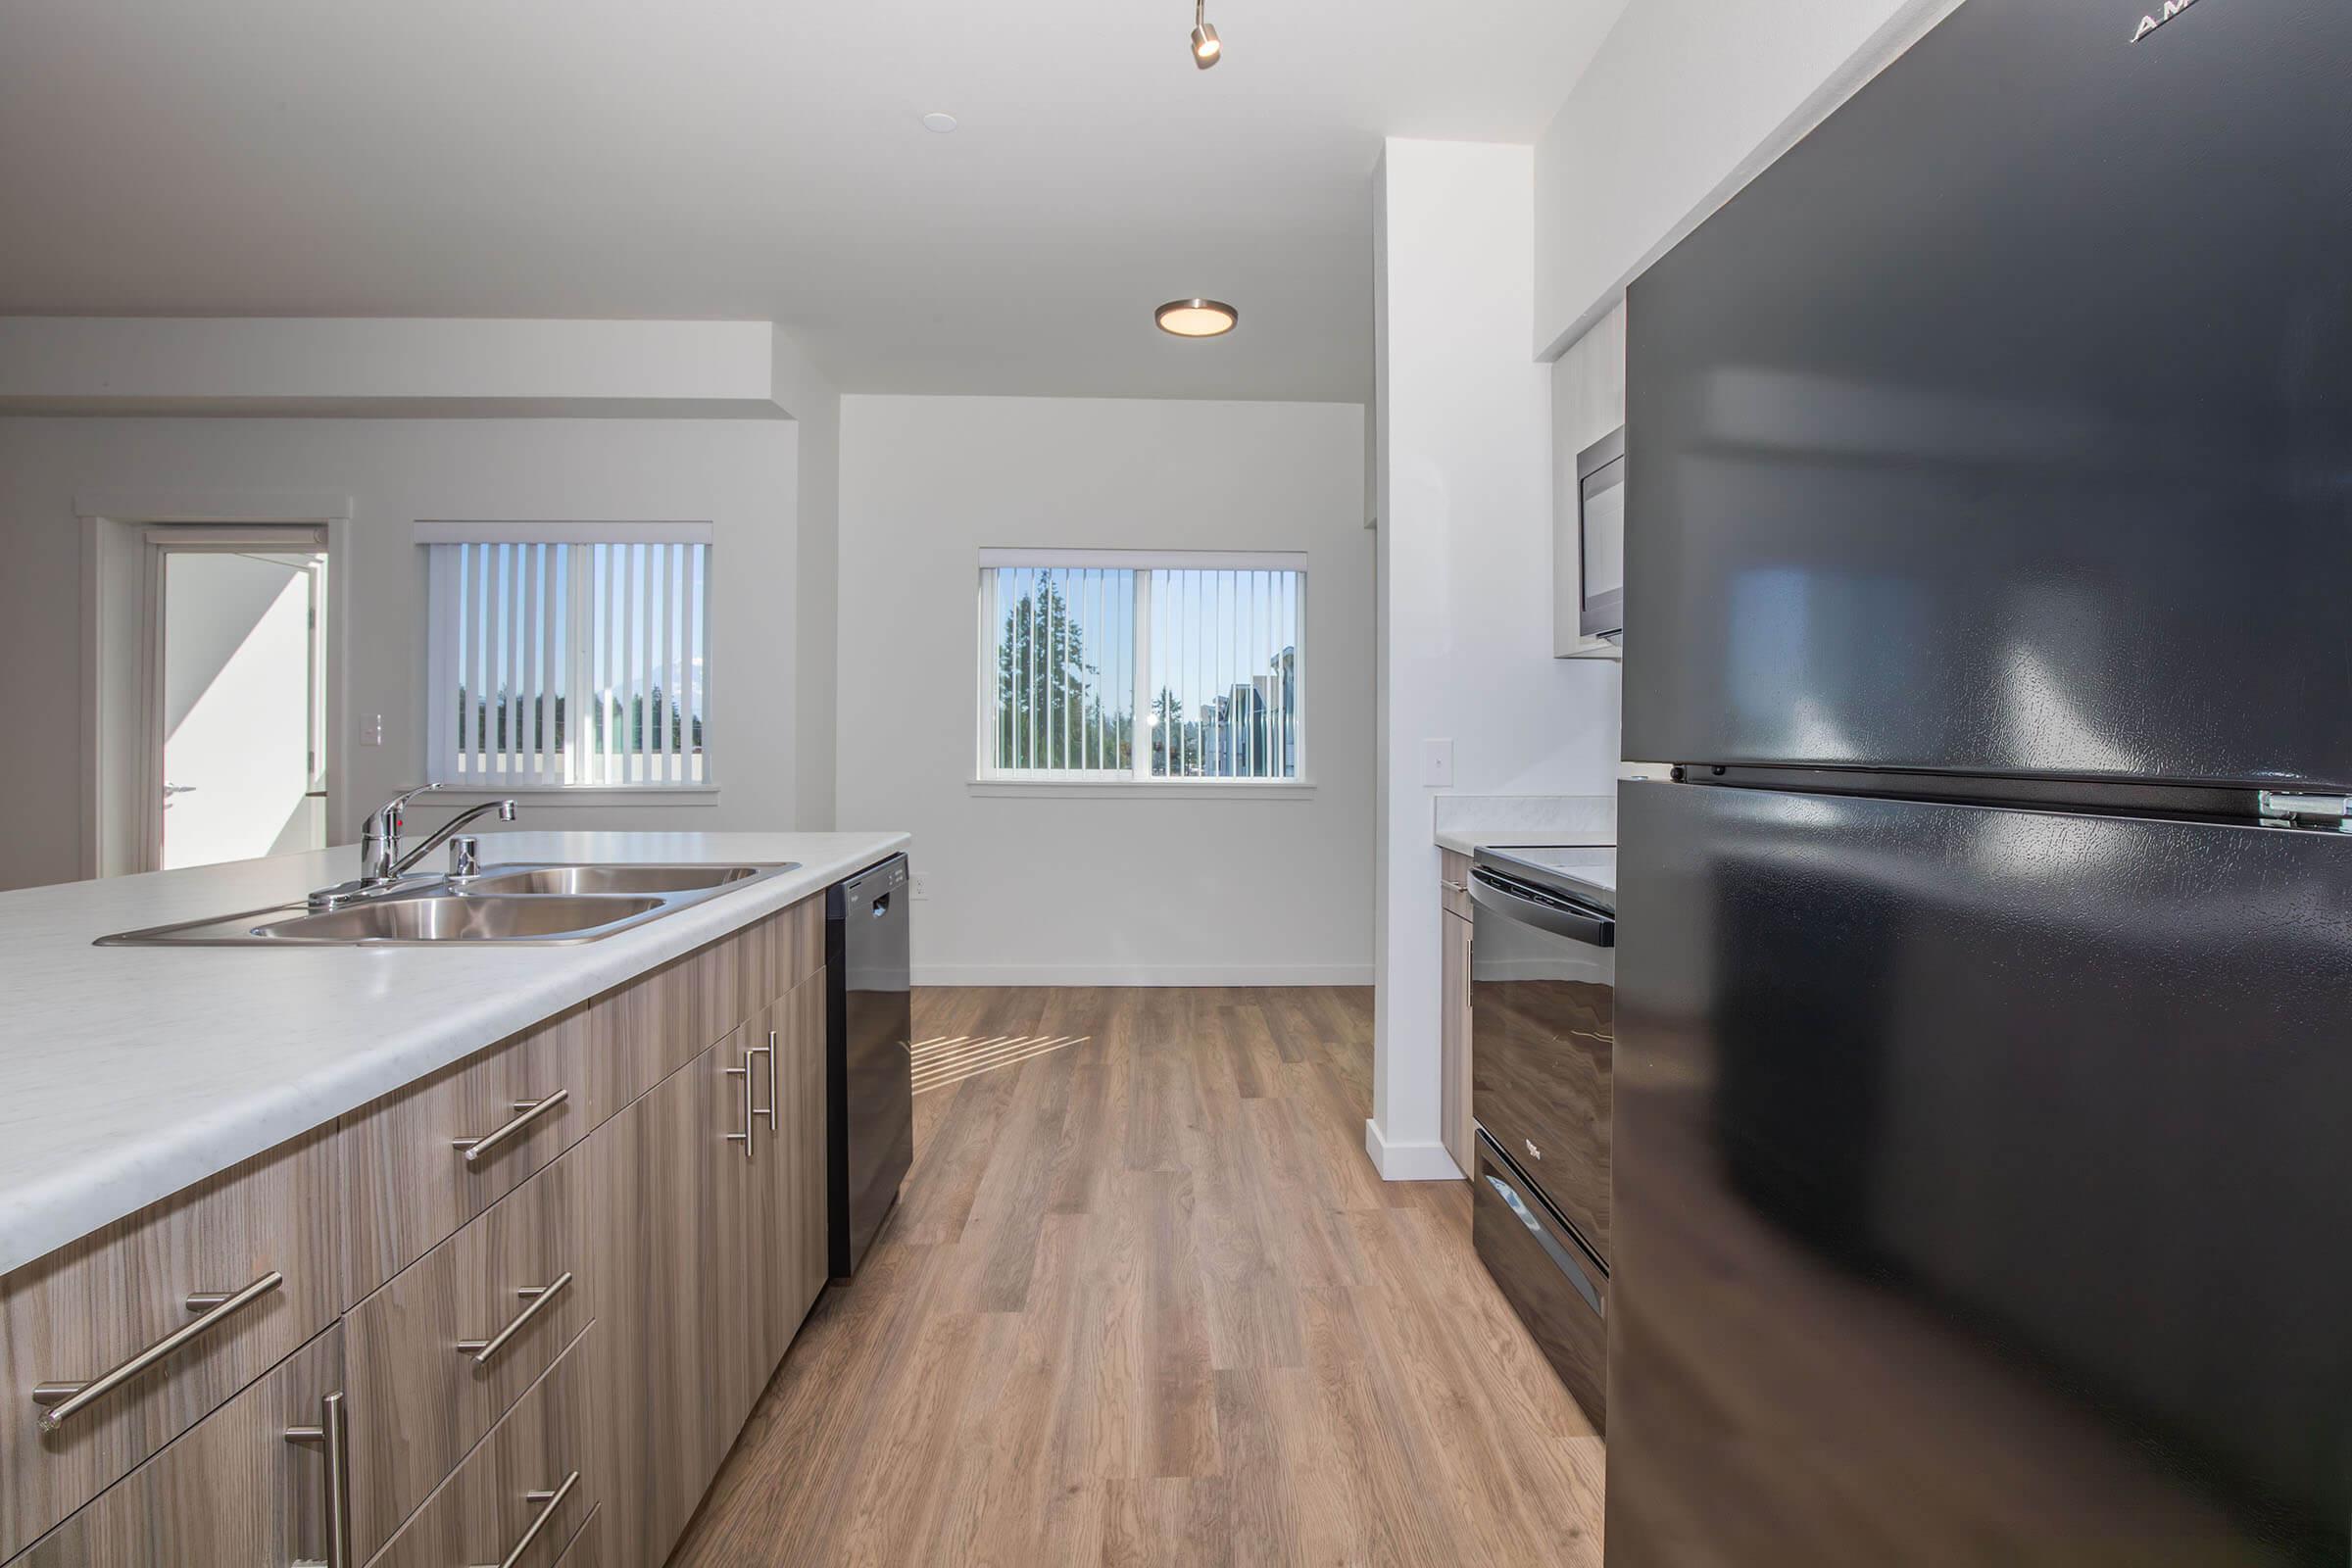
1979,1183
237,701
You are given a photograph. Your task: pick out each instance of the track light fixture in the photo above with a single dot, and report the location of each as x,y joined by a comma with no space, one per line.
1206,50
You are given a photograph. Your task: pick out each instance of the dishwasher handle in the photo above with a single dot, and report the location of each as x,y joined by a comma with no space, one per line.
1531,907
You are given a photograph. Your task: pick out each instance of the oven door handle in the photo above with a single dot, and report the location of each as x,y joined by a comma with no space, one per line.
1589,927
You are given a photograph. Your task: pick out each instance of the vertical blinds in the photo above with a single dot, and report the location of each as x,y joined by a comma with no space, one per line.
1141,671
559,663
1225,675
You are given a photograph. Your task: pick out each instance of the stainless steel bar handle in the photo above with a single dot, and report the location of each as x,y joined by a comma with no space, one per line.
538,1295
60,1400
332,1435
749,1112
769,1052
527,1112
549,1502
1452,886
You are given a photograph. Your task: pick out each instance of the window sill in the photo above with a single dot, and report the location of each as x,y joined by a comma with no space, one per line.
578,795
1097,789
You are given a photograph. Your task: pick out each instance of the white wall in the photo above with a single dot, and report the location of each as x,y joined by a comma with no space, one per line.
809,395
1465,576
1686,101
1110,885
179,364
741,475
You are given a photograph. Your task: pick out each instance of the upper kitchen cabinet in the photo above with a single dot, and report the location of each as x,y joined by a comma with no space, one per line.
1587,493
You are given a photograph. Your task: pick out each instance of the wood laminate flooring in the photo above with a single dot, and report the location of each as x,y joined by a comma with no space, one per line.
1144,1300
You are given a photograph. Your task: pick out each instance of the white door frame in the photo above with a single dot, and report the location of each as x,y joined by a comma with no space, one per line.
165,539
120,651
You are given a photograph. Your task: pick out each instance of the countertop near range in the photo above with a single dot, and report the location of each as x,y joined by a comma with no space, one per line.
1468,823
129,1073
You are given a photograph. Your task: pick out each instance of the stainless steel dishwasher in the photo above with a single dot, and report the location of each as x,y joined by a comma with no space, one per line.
869,1073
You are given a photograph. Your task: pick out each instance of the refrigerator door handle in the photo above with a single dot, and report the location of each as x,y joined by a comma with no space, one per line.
1588,926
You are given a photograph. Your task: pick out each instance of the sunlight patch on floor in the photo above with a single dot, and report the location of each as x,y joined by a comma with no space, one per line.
950,1060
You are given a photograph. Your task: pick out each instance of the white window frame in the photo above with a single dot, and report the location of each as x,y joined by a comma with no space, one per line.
988,779
440,684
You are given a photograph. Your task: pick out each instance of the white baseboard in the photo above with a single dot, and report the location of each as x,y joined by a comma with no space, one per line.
1408,1163
1143,974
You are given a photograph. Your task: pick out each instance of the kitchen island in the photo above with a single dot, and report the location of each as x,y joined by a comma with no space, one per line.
505,1238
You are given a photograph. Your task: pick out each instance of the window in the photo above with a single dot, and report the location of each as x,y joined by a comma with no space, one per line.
568,656
1142,669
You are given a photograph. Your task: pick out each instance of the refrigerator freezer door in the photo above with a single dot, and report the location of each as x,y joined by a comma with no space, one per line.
1982,1185
2003,426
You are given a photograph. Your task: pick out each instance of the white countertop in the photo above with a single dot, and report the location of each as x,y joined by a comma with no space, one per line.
129,1073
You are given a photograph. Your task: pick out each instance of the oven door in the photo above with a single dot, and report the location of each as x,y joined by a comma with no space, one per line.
1543,1028
1558,1289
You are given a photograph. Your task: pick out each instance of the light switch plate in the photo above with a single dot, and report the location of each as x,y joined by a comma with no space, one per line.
1436,764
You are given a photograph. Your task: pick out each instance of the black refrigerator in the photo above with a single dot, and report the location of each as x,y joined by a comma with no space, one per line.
1983,1074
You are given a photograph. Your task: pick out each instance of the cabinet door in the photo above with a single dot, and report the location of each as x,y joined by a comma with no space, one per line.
788,1206
668,1195
251,1259
1454,1101
232,1490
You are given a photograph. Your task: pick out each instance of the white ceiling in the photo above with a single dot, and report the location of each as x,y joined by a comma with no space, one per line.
718,159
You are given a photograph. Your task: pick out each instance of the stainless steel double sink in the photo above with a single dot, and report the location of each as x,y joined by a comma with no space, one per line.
541,906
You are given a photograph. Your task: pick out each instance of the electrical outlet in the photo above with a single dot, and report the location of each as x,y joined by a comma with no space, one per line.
1436,764
371,730
922,887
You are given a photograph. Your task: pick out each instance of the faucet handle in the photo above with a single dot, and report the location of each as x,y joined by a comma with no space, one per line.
394,811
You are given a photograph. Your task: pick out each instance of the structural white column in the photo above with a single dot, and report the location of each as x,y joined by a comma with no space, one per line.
1465,579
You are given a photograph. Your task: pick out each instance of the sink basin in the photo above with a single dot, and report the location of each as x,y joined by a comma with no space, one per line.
453,917
604,879
544,905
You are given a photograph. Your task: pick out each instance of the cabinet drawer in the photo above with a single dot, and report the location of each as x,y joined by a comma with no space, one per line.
587,1549
234,1490
797,941
246,1266
447,1347
530,1477
1453,883
412,1178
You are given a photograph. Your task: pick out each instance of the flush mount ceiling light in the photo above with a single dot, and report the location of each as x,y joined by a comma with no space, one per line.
1196,317
939,125
1206,50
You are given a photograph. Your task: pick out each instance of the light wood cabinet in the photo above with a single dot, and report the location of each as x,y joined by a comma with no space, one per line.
654,1237
787,1196
1456,1124
1453,883
232,1492
441,1353
526,1490
669,1200
587,1549
411,1182
81,1312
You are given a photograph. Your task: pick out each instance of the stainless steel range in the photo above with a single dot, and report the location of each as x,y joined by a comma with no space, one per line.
1542,1030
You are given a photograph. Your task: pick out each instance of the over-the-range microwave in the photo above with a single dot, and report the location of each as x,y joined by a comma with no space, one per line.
1601,537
